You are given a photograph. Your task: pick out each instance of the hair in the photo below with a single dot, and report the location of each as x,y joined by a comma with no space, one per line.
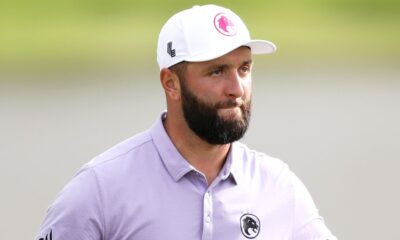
180,70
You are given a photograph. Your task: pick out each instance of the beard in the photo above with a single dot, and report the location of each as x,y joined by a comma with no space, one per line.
203,119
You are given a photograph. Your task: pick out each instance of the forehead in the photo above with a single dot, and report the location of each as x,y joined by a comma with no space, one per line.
236,57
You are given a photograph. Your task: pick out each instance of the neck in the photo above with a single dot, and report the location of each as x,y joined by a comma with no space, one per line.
207,158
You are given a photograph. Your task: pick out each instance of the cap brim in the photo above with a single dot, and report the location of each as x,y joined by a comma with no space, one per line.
256,46
261,47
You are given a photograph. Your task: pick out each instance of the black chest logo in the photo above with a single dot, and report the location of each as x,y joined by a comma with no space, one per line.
250,225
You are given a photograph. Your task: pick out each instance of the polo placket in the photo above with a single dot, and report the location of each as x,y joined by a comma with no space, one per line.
207,216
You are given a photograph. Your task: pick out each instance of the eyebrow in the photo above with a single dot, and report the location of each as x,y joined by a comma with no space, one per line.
224,66
249,62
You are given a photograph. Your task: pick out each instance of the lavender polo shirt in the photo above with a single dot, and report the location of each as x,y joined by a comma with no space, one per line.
143,189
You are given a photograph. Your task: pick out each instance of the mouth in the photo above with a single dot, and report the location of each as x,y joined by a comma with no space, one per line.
231,104
230,112
230,108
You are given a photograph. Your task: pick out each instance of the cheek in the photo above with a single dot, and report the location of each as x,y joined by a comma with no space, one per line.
210,92
211,96
206,95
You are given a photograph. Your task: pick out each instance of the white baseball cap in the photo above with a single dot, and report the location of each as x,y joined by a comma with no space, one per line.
203,33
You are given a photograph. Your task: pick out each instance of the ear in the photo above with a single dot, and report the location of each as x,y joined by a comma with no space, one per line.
170,83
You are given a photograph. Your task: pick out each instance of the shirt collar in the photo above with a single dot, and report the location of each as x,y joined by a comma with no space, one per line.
177,166
233,163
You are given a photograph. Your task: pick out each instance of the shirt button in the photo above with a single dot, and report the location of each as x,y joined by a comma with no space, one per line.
208,218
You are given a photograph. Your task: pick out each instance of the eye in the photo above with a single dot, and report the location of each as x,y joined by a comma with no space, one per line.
217,71
245,68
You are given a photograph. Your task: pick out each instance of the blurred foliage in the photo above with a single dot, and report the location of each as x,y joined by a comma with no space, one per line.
113,32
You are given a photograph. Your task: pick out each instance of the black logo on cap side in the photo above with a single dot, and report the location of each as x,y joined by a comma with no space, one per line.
170,51
250,225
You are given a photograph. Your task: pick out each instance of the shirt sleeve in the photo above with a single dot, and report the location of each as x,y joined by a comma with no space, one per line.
76,213
308,224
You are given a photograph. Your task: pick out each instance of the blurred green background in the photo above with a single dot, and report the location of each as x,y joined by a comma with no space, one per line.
97,33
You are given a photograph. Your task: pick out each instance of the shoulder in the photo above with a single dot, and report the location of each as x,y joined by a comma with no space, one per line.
109,163
120,151
124,161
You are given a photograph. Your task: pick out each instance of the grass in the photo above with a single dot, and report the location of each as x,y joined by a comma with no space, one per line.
84,33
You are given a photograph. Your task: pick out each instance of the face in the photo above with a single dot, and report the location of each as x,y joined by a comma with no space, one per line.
216,97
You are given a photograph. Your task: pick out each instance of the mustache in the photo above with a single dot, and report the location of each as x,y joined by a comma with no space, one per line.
231,103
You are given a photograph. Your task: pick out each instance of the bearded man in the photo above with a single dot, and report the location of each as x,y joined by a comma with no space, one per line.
188,177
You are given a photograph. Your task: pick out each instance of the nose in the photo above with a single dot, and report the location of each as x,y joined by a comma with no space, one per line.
235,85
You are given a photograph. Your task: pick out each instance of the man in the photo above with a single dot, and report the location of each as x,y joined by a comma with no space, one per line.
187,177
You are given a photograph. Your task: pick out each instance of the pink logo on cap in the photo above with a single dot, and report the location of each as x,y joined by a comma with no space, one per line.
224,25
